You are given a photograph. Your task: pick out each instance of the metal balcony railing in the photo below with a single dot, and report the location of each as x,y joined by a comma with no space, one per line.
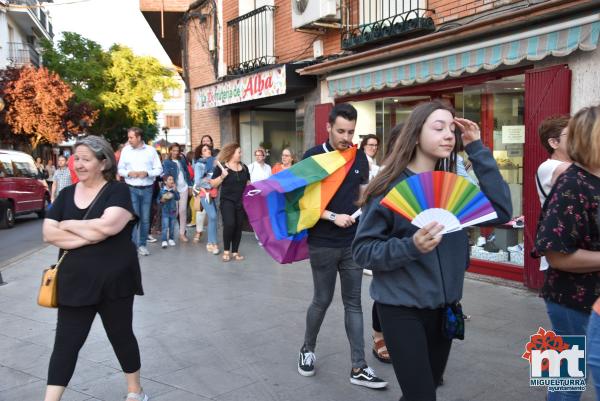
367,22
22,54
23,2
251,41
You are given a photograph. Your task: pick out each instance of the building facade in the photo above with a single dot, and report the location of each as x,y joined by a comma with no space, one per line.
23,23
506,64
172,119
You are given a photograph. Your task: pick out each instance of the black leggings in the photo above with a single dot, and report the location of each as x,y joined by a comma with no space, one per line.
375,318
233,218
73,326
418,349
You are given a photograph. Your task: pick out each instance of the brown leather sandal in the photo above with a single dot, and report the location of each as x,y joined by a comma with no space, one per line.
238,257
226,256
380,351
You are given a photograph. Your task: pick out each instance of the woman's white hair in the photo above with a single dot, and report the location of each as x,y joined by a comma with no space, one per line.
103,152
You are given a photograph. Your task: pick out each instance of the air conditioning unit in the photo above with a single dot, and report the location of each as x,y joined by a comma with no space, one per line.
311,13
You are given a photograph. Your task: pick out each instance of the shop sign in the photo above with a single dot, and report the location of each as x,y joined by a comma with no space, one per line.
256,86
513,134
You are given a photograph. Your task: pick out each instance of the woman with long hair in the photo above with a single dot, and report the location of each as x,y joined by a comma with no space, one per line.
176,166
569,236
203,170
231,176
288,158
418,274
101,273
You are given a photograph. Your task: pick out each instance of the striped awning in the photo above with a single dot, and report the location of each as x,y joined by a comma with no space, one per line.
557,40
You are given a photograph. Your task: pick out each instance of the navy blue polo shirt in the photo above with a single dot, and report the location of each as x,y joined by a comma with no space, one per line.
325,233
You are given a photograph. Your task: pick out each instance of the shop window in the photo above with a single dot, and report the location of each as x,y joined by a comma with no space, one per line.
498,107
271,130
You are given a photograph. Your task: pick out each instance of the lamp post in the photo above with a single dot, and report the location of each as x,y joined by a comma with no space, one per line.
166,131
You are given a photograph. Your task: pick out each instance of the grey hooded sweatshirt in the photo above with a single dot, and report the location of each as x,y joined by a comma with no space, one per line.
402,275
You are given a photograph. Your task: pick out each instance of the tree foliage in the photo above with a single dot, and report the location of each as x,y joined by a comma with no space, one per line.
120,84
39,105
80,62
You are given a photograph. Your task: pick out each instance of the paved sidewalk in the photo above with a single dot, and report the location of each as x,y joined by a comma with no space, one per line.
231,332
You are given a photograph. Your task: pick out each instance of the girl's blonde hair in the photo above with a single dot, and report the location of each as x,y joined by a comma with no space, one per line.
227,152
583,139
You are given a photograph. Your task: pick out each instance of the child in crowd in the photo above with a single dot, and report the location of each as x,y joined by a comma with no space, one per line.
168,198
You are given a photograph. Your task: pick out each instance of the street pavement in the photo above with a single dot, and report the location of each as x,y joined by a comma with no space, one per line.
209,330
25,236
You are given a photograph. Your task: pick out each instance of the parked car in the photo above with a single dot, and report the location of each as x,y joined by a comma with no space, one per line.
21,189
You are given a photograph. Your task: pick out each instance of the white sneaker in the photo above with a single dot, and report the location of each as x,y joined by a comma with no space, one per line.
164,244
151,239
172,243
142,250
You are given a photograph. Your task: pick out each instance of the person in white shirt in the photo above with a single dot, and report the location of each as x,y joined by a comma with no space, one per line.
259,170
370,145
553,135
139,165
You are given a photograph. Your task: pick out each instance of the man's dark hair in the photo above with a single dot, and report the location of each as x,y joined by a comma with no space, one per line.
137,131
344,110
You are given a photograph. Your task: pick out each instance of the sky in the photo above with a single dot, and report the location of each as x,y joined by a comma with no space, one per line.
107,22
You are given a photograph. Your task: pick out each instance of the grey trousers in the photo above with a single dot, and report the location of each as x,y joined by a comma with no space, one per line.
325,264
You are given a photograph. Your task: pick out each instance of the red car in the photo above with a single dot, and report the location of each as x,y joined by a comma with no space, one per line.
21,189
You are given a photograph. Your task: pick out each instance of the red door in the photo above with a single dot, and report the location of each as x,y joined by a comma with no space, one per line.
547,93
321,119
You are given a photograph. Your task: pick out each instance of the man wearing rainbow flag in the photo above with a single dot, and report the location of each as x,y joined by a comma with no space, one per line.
329,242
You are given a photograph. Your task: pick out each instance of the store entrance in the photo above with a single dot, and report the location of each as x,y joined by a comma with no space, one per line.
497,106
273,128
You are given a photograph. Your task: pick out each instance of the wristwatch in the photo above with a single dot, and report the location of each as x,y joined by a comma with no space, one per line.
332,216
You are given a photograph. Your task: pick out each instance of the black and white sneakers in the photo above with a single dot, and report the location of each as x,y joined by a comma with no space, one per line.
306,362
363,377
366,377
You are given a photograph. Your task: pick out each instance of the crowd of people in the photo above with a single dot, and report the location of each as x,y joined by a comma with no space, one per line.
417,273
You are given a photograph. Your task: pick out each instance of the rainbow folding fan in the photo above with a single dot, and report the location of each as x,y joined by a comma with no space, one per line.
446,198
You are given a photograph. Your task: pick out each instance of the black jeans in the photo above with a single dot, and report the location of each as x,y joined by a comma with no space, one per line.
418,349
375,318
233,218
73,326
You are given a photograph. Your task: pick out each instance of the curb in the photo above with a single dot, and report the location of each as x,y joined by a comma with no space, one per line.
18,258
499,281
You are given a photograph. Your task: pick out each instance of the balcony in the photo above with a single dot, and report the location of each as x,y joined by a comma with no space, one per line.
22,54
29,16
250,41
367,22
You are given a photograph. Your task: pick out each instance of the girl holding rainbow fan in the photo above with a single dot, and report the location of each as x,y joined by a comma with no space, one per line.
418,273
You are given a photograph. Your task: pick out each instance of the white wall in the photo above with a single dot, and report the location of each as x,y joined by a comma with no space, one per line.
174,106
585,84
366,120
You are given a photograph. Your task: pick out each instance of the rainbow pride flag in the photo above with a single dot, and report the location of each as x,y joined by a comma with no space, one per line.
282,207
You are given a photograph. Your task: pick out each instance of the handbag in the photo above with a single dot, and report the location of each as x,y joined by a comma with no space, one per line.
48,292
454,322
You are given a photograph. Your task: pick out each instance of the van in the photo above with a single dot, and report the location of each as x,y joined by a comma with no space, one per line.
21,189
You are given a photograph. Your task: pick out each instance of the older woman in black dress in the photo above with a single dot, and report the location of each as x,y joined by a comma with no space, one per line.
101,272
